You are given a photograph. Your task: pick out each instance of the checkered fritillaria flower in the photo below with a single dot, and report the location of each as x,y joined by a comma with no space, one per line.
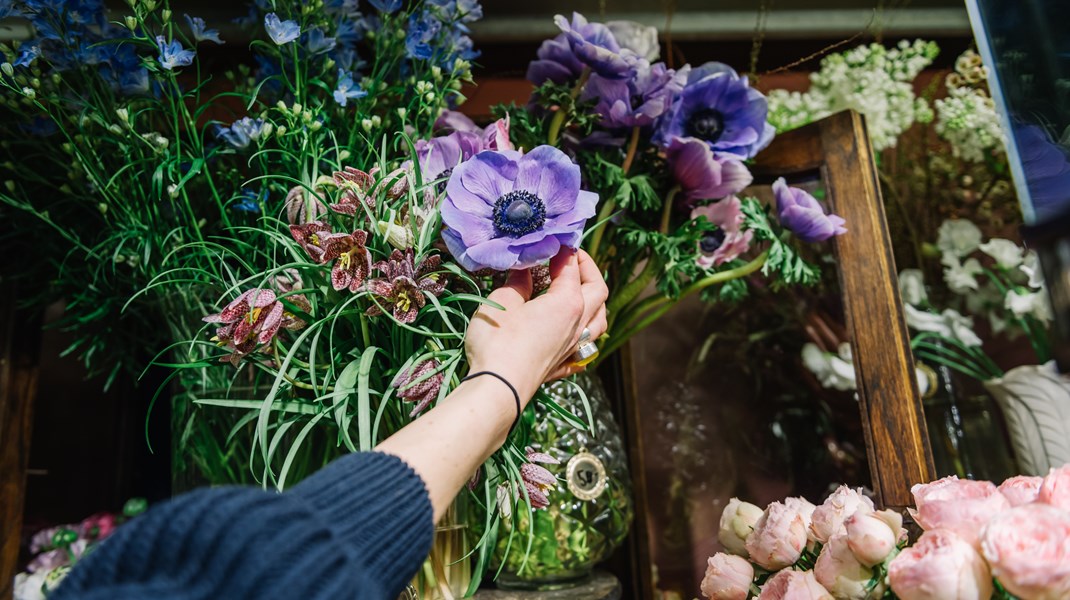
403,285
537,480
421,393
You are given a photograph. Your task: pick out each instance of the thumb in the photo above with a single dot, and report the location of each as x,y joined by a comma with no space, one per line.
516,291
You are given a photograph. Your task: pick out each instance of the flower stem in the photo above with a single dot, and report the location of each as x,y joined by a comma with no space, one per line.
633,145
666,211
659,305
630,292
562,112
603,221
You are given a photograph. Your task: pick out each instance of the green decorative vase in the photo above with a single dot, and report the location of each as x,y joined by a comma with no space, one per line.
590,508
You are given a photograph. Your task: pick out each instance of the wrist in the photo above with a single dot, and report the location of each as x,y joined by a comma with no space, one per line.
525,383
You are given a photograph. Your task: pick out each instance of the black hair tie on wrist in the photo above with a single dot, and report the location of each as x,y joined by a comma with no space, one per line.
516,395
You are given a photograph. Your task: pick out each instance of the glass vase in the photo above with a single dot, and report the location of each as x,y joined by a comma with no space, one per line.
447,571
966,431
590,508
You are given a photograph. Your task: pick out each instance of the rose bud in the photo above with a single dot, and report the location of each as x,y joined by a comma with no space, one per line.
728,577
793,585
958,505
737,523
1028,548
829,517
780,534
940,566
1056,488
839,572
1021,489
872,536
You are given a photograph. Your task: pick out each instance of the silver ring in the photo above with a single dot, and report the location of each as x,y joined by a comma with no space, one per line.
585,335
584,352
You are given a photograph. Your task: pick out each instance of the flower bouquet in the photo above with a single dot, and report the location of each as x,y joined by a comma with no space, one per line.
980,541
57,549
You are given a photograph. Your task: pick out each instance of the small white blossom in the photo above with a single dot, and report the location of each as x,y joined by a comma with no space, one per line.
1006,253
949,324
968,120
832,370
961,277
912,286
1033,304
958,237
1031,268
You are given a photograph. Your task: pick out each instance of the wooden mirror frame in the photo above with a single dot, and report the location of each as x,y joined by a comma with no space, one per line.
837,151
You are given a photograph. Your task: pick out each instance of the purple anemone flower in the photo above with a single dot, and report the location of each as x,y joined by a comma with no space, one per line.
504,210
803,215
702,174
729,240
636,101
719,107
593,45
440,155
554,62
493,137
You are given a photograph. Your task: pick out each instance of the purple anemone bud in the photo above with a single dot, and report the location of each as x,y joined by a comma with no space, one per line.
504,210
803,215
719,107
594,45
703,175
637,101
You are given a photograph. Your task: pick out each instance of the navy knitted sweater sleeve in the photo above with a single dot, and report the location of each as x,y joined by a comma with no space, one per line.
359,528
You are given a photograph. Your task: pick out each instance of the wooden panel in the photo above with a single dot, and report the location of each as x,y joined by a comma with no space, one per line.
892,413
19,339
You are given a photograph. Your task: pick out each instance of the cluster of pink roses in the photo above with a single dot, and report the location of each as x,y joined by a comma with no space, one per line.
835,550
1017,533
975,534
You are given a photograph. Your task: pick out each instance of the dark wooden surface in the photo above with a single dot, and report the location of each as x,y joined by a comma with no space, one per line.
20,336
837,148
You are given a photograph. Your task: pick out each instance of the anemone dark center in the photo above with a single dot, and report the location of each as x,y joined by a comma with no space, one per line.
712,241
443,179
706,124
519,213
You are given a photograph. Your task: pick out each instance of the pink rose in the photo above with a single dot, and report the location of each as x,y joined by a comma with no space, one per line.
829,517
780,534
872,536
793,585
940,566
1028,548
737,523
1056,488
959,505
839,572
728,577
1021,489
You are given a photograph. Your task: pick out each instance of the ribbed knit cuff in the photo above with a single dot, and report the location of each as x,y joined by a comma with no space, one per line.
377,505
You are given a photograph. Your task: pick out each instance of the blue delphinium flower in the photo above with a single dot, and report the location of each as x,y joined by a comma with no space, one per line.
346,33
317,42
504,210
172,55
719,107
387,6
347,90
200,31
421,31
281,32
125,71
242,132
28,52
249,201
7,9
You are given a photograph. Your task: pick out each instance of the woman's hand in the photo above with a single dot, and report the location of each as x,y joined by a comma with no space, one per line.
533,340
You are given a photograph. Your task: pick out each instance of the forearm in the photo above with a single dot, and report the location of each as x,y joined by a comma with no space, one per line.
447,444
